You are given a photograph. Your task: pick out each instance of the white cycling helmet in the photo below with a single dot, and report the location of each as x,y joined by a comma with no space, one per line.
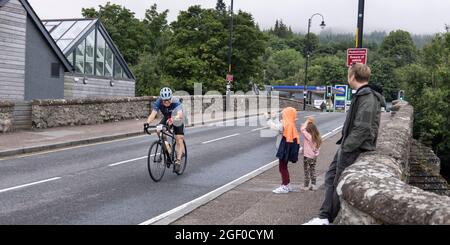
166,93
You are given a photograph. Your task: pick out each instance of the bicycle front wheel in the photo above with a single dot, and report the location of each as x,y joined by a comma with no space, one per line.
156,161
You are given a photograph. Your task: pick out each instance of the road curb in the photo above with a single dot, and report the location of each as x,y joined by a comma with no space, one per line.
180,211
41,148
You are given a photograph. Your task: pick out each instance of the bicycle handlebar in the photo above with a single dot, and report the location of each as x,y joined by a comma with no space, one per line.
157,127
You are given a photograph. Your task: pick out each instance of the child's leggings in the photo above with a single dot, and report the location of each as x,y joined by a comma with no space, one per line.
309,165
283,166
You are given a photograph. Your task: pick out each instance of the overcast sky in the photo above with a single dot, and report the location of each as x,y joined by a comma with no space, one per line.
415,16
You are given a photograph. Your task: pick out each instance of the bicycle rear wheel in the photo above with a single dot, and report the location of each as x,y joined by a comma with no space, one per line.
183,158
156,161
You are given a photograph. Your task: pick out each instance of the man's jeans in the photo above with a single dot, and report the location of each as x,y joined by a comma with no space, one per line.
331,204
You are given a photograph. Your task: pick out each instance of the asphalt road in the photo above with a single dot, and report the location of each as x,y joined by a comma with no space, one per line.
108,183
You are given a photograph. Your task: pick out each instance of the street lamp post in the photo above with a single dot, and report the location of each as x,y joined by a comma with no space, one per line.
307,54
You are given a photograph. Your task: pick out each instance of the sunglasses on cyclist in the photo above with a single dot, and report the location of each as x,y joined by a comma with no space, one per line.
166,101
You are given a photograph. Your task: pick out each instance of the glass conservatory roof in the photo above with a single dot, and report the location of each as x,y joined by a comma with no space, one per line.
67,32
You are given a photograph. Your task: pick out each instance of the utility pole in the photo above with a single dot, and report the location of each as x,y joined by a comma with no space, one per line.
230,50
360,29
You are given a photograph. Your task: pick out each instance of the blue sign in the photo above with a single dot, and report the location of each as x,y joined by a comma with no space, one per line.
340,104
342,91
340,97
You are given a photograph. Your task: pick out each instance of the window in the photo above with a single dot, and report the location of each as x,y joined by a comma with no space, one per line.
100,56
55,70
93,55
90,43
75,30
79,57
70,58
108,62
61,29
117,69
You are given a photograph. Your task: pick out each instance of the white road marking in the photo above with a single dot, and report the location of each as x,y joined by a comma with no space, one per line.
332,132
131,160
127,161
229,136
30,184
258,129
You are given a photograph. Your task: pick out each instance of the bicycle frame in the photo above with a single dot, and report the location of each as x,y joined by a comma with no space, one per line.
166,132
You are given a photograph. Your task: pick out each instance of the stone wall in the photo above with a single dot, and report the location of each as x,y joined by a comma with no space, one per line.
373,189
86,111
6,116
70,112
424,170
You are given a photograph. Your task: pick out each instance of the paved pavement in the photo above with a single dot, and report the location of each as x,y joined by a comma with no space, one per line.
253,203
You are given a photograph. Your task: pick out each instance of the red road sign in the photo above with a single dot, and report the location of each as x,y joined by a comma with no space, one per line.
356,55
229,77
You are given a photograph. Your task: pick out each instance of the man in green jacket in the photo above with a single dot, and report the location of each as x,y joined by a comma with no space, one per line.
359,134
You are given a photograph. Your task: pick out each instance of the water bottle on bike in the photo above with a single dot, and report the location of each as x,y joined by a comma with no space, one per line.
168,146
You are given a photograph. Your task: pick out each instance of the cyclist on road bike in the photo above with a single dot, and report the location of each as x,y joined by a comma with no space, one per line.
172,112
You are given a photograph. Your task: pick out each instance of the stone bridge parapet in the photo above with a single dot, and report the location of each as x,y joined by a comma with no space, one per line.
374,189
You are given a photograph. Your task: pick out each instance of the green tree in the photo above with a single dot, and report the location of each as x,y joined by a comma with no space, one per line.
311,43
436,56
281,30
399,47
221,7
148,73
383,76
157,29
282,67
199,46
328,70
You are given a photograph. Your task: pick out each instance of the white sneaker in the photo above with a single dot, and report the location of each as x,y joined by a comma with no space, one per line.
290,188
304,188
313,188
317,221
281,190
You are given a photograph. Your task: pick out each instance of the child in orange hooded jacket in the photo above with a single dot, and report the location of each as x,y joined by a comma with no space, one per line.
288,148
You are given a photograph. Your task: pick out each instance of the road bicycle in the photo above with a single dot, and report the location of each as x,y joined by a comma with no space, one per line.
163,152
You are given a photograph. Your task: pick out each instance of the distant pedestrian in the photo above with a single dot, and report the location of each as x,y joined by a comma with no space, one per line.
288,147
359,134
311,146
323,106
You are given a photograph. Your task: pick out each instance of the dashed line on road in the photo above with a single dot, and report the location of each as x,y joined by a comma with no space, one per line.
30,184
258,129
131,160
127,161
225,137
